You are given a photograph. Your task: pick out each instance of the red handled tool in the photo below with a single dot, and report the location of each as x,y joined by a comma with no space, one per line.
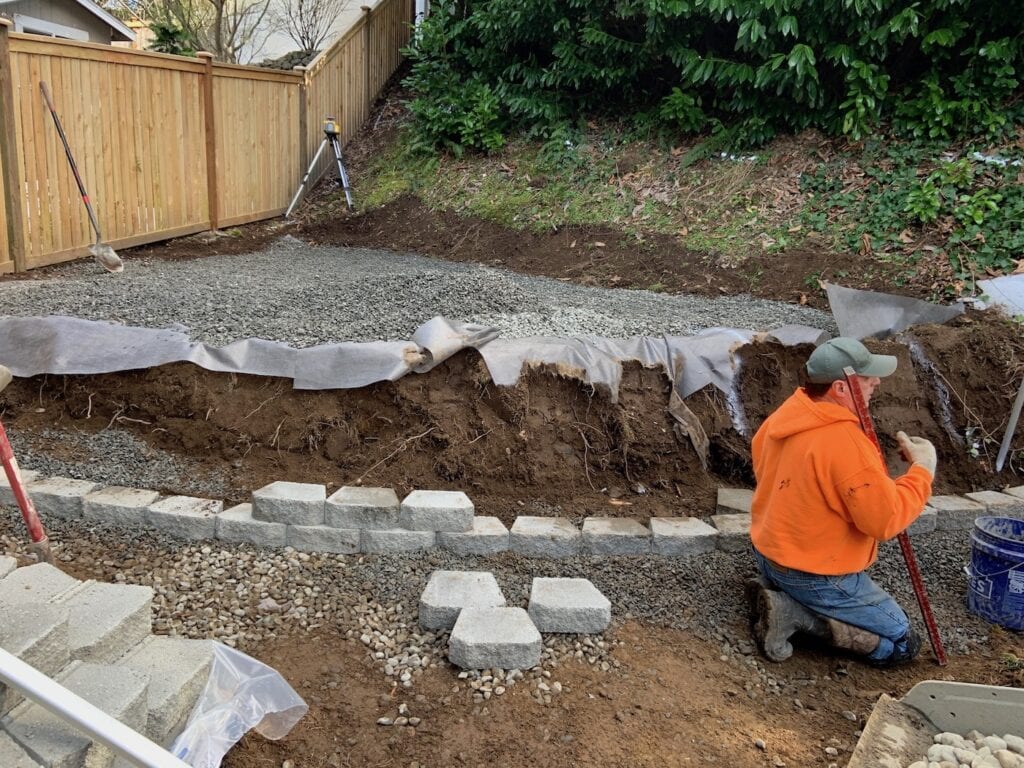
40,543
868,426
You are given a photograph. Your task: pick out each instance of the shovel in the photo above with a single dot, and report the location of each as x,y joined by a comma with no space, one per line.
103,253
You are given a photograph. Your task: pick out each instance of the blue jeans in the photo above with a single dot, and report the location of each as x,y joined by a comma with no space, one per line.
852,599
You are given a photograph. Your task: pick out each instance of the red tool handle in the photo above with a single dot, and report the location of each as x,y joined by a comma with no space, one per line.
40,542
868,426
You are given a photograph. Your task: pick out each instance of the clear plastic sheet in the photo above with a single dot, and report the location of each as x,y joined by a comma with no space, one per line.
241,694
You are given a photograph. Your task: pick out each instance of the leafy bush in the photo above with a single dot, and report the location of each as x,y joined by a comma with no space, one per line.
749,68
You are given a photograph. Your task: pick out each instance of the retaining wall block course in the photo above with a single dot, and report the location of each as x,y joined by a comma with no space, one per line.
545,537
397,540
324,538
682,536
925,522
448,592
36,584
485,638
117,505
488,536
105,620
437,511
568,605
615,536
38,635
118,691
6,494
7,565
733,532
292,503
60,496
185,517
955,513
733,500
13,756
238,526
370,508
999,504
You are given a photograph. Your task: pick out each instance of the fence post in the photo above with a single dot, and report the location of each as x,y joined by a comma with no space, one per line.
303,119
211,140
14,194
367,10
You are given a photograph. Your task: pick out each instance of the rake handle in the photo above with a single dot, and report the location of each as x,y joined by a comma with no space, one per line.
868,427
40,541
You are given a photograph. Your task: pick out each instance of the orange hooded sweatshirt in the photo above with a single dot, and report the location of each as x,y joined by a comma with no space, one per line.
824,498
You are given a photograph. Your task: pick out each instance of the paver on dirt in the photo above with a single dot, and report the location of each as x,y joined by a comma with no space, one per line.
105,620
238,526
999,504
185,517
119,692
437,511
448,592
117,505
955,513
568,605
733,500
925,522
733,531
545,537
13,756
36,634
397,540
292,503
487,536
324,538
488,638
681,536
615,536
60,496
367,508
6,494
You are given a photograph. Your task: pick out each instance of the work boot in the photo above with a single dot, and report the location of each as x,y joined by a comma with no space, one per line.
851,638
778,618
5,378
906,650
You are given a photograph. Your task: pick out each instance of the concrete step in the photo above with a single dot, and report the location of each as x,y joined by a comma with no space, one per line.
35,584
13,756
120,692
106,620
36,634
178,670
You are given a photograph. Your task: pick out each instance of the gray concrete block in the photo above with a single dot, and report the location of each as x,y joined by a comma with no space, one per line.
681,536
437,511
955,513
105,620
448,592
397,540
238,526
178,670
615,536
185,517
60,496
545,537
324,538
7,565
488,536
733,500
6,494
36,634
488,638
35,584
925,522
373,509
999,504
13,756
733,532
119,692
292,503
568,605
117,505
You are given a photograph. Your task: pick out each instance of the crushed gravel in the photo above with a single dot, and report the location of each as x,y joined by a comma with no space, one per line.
306,295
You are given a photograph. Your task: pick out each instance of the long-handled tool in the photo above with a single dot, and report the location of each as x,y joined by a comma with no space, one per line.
332,134
40,543
868,426
103,253
1011,427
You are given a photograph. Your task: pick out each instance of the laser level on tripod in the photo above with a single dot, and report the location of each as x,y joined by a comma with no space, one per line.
332,136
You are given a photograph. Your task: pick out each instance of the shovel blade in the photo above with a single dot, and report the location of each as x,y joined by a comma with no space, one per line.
106,257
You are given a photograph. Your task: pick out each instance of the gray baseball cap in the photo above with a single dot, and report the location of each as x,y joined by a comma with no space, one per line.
826,363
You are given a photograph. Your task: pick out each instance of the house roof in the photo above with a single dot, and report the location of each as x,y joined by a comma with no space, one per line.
115,23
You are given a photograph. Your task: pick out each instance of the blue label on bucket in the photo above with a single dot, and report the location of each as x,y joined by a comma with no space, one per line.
1015,584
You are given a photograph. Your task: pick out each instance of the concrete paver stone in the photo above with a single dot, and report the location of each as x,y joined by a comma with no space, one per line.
485,638
6,494
13,756
35,584
615,536
105,620
568,605
367,508
293,503
733,500
955,513
238,526
681,536
36,634
999,504
733,531
117,505
185,517
545,537
448,592
436,511
488,536
397,540
324,538
7,565
60,496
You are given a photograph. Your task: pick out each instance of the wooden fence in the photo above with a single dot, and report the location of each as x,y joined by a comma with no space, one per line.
169,145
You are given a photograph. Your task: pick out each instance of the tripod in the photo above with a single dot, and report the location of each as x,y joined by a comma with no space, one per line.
331,135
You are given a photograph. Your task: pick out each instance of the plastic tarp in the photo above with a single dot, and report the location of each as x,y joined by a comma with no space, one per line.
865,314
1006,292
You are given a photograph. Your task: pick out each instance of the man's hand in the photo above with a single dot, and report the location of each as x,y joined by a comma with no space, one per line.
917,450
5,378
